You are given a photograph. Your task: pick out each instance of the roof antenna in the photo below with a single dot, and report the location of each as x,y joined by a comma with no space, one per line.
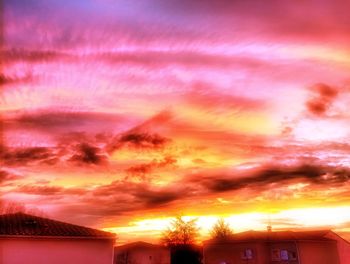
269,226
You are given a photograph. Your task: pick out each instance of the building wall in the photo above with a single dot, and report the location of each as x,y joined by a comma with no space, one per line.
56,251
230,253
344,251
318,252
262,253
343,248
143,256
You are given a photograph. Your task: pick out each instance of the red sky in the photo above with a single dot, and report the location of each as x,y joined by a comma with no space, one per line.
122,114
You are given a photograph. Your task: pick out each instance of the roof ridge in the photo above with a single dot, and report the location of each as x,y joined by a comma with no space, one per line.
71,224
15,224
277,235
61,222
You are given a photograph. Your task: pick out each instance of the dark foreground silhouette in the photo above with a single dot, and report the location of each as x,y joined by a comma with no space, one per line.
186,254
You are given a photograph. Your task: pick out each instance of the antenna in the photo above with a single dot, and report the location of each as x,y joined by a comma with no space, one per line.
269,226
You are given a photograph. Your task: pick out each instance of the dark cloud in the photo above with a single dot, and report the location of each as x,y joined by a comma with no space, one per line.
157,198
125,196
22,55
26,156
82,147
7,79
261,178
322,99
142,135
6,177
88,154
142,170
143,140
76,153
99,208
139,140
140,195
63,121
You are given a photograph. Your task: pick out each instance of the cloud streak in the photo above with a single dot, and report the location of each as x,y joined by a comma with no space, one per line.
149,106
6,80
7,177
143,196
315,174
27,156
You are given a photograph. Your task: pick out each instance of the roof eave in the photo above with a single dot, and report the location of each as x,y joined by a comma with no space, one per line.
57,237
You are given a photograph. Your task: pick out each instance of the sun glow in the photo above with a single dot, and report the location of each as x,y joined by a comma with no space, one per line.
294,219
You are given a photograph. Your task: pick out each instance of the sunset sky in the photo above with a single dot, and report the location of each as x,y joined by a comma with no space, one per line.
121,114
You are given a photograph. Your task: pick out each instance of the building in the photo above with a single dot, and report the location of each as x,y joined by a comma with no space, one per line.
141,253
36,240
254,247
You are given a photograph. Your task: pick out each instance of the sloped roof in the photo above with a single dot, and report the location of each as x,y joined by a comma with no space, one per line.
24,225
319,235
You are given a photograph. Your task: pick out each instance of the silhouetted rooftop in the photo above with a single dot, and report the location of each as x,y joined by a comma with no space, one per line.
20,224
276,236
138,244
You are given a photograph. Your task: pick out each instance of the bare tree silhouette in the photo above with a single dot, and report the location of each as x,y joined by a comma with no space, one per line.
14,207
181,232
181,237
221,230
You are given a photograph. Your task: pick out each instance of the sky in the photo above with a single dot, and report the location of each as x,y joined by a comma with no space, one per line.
123,114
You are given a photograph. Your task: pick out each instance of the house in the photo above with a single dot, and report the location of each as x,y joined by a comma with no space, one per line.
36,240
141,253
256,247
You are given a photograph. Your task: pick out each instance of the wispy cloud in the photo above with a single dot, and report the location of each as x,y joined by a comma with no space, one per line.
123,109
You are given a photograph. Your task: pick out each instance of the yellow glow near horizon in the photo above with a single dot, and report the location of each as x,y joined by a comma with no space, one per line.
308,218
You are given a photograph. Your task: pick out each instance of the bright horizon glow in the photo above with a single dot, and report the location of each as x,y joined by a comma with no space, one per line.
299,219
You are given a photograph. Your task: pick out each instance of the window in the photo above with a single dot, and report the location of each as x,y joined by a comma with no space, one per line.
284,254
247,254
